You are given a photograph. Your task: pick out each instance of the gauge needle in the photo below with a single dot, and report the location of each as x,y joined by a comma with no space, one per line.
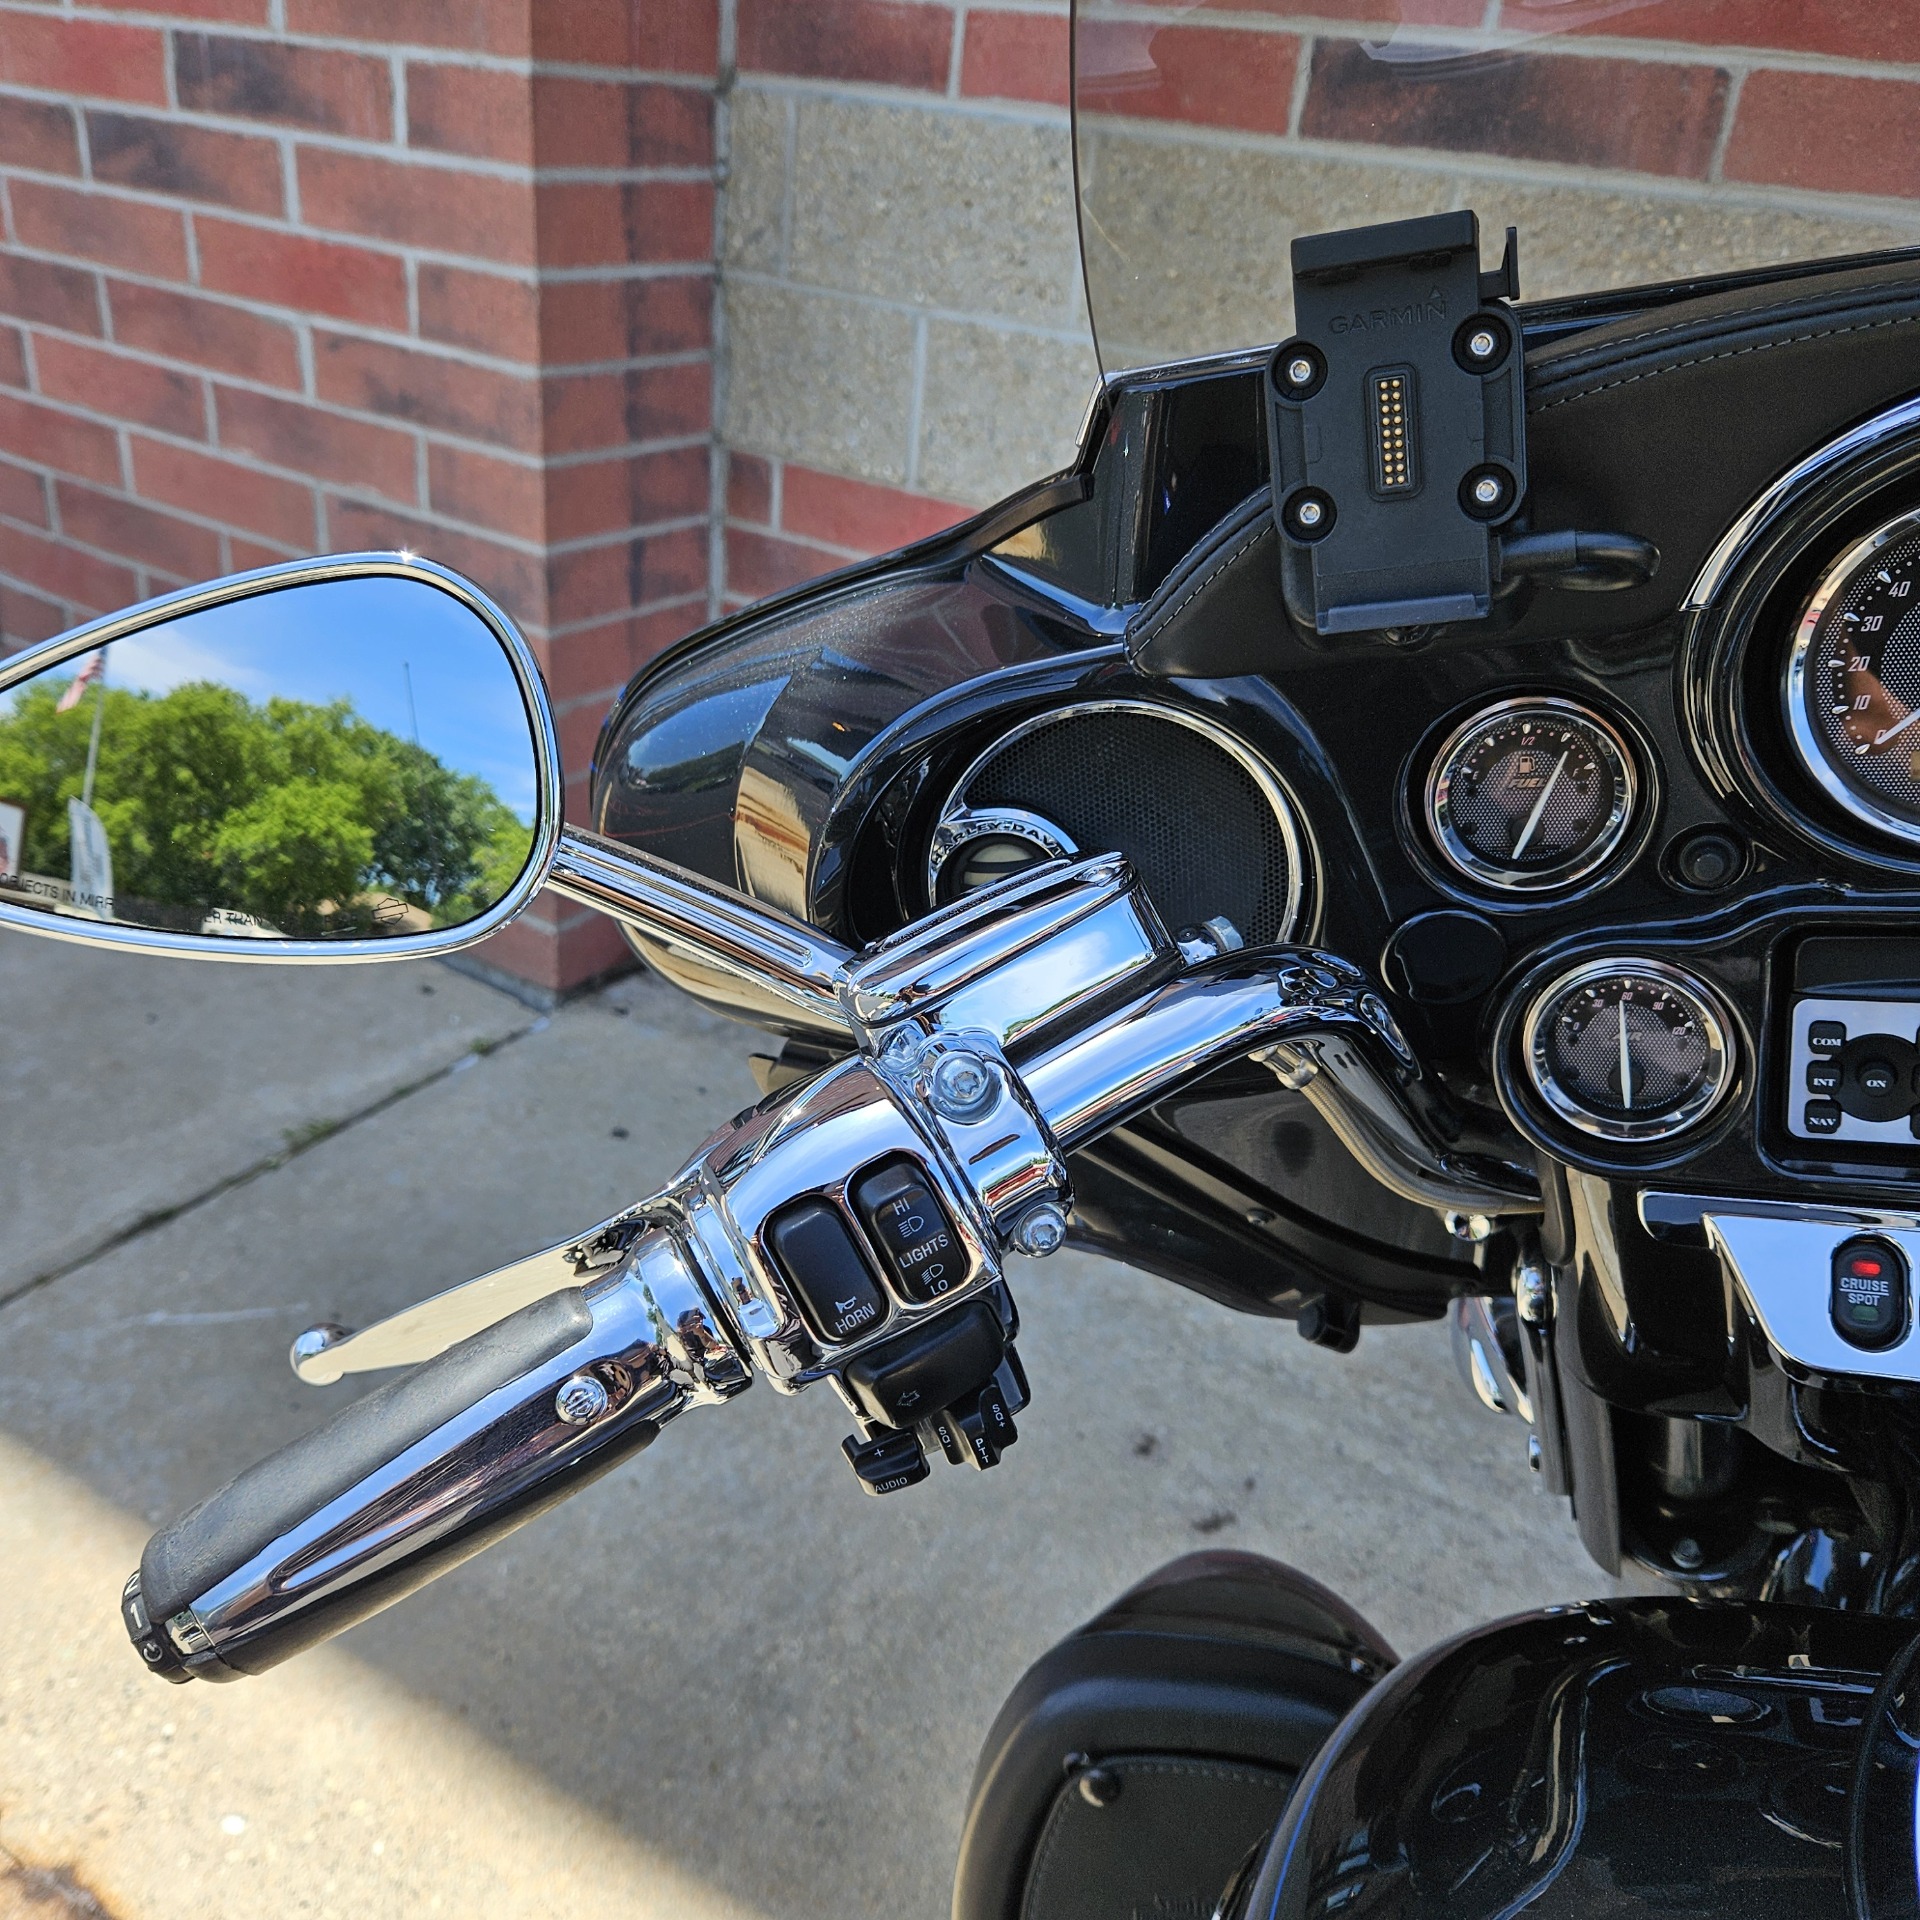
1885,734
1540,805
1626,1060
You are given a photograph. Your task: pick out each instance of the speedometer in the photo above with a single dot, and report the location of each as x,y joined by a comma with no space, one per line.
1853,680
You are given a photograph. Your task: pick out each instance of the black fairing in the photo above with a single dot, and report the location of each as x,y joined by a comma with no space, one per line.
1645,1758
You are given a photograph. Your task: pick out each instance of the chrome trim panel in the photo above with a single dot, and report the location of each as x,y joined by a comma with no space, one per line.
957,830
293,573
1782,1270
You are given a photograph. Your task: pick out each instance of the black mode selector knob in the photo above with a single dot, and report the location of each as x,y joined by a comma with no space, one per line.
1869,1300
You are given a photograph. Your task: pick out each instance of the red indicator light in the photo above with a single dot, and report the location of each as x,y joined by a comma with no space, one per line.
1863,1268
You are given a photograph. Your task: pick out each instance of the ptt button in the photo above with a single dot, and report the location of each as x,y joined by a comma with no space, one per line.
915,1238
817,1252
1869,1301
1827,1036
1821,1116
1823,1076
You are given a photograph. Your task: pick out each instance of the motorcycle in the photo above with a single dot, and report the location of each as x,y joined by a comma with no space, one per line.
1566,987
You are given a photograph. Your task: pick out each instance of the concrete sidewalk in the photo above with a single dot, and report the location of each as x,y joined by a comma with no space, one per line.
721,1681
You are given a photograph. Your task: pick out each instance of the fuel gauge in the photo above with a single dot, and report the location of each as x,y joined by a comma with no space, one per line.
1531,795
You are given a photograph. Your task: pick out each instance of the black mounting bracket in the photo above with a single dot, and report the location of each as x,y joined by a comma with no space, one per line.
1397,425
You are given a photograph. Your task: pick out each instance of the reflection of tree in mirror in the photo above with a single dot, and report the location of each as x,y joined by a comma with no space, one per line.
300,816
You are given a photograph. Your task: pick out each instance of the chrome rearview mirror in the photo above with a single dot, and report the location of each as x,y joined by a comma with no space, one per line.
337,759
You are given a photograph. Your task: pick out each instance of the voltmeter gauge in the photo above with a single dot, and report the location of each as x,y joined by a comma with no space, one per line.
1631,1050
1531,795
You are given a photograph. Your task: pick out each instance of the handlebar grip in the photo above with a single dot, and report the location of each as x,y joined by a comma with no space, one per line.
400,1523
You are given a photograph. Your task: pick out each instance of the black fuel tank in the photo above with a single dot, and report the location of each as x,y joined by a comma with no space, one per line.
1645,1758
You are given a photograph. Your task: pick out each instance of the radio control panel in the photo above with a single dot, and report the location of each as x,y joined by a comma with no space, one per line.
1854,1071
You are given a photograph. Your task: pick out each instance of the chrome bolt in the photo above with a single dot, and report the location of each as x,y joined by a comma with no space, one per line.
1481,343
1535,1457
962,1086
1531,1294
1487,490
1299,371
1309,513
581,1400
901,1048
1041,1230
315,1341
1470,1226
1688,1554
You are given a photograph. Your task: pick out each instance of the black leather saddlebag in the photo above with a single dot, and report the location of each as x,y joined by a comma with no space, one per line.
1138,1763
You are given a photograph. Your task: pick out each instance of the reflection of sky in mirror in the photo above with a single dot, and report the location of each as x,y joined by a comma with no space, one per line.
408,658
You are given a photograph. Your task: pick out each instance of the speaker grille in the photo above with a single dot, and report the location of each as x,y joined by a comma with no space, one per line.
1205,833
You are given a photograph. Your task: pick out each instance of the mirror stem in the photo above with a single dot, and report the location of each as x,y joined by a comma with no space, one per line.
697,931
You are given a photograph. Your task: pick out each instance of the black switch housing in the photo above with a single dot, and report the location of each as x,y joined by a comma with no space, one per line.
919,1371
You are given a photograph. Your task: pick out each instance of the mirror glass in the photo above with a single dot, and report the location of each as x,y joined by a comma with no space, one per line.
346,758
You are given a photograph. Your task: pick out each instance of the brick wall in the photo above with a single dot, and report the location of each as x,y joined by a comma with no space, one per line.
294,276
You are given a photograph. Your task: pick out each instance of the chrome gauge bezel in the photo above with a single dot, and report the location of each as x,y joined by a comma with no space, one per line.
1807,745
1716,1022
955,812
1613,834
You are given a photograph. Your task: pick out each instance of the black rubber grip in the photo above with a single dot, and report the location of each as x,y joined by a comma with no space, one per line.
225,1531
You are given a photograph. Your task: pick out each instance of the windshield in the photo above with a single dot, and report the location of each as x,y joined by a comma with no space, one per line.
1628,143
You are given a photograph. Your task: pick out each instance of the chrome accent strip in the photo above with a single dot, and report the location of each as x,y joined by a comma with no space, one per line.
712,942
1782,1269
1807,744
1717,1022
1293,833
1665,1214
957,830
243,586
1733,544
1462,858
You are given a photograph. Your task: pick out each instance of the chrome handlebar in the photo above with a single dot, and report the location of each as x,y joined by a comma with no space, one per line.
992,1040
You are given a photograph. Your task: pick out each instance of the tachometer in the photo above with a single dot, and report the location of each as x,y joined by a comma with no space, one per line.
1853,680
1531,794
1628,1049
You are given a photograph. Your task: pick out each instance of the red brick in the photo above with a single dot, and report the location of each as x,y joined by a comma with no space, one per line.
137,533
884,41
317,87
759,564
262,503
402,383
589,410
101,226
205,333
558,962
593,225
583,320
1410,13
244,555
487,312
1208,76
121,387
1862,134
87,584
23,494
480,26
286,269
663,36
289,433
1856,29
512,577
440,208
472,110
578,726
858,515
1016,56
25,617
247,13
194,163
95,58
750,489
627,574
610,653
54,296
504,495
57,439
38,135
13,357
610,123
634,490
1630,114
